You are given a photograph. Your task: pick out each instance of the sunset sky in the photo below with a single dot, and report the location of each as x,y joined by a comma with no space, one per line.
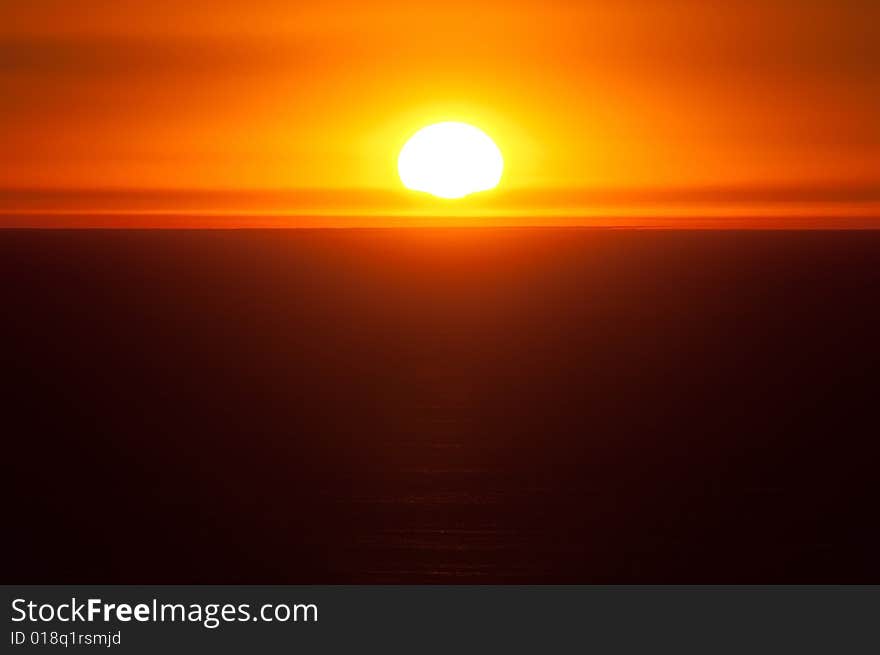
626,107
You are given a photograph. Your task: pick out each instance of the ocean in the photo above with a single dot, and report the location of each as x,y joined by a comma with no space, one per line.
441,406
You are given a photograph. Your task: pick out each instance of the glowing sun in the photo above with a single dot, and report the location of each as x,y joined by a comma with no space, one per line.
450,160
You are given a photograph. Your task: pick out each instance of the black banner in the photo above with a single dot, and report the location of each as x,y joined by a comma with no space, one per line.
221,619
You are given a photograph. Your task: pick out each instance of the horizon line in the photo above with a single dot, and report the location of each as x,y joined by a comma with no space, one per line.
852,206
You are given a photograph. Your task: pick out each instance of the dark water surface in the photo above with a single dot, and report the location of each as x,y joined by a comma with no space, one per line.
533,405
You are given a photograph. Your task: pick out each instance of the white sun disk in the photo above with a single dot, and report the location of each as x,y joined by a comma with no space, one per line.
450,160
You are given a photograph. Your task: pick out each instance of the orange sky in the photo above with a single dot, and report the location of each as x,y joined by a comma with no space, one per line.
630,106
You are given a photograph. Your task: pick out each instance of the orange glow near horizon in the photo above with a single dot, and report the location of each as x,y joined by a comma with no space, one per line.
611,111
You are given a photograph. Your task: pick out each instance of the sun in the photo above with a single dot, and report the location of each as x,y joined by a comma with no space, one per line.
450,160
